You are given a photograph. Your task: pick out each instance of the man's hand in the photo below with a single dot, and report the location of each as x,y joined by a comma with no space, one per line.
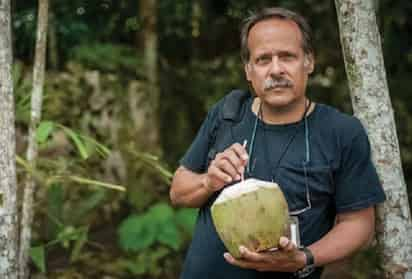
191,189
228,166
287,259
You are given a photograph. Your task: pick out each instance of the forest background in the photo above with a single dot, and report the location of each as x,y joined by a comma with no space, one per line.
122,113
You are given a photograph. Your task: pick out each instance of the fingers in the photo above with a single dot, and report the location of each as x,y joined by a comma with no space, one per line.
228,163
251,260
236,154
284,259
240,151
244,263
251,256
228,166
286,244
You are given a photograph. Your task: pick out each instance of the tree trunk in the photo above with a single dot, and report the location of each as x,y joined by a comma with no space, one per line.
195,24
8,185
143,100
148,15
149,44
52,40
36,105
372,105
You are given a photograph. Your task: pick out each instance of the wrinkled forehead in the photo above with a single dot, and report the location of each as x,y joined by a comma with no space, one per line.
275,33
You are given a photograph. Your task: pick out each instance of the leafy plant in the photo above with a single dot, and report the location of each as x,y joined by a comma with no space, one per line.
85,145
65,227
108,57
22,86
365,264
161,224
149,238
68,237
154,163
146,262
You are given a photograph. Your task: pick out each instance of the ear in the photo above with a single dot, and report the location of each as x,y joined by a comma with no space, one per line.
309,63
247,71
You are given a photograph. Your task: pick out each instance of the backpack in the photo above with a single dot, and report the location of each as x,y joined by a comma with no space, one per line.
230,114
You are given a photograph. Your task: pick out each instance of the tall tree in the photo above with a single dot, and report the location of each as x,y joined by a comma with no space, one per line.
195,26
52,40
8,186
143,99
372,105
149,38
149,94
36,105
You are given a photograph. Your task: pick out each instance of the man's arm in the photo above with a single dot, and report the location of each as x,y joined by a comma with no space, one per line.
190,189
352,231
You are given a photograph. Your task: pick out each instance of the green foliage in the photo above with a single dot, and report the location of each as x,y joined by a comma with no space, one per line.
66,235
151,238
37,254
55,202
147,262
109,58
154,162
44,131
87,204
186,218
198,63
365,264
22,87
136,233
79,242
160,224
81,147
85,145
62,227
69,236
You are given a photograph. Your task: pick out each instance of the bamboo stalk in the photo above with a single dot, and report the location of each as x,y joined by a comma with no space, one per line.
36,107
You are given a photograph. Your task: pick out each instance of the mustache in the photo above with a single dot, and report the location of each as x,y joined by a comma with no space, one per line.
274,82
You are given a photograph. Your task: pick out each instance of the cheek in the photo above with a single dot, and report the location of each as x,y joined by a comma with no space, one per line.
259,75
300,82
253,77
259,82
299,75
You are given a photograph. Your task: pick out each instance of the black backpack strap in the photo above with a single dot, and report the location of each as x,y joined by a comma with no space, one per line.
232,105
230,113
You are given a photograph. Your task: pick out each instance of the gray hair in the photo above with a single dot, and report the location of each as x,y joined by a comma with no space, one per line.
281,13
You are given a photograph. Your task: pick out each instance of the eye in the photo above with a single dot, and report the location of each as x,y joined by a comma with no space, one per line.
264,59
287,56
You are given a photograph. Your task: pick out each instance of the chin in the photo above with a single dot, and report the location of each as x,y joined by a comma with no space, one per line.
278,100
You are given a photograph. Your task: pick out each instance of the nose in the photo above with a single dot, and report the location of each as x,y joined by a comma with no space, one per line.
276,67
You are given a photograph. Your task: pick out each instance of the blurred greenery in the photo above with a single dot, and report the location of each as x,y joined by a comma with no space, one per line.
94,117
160,224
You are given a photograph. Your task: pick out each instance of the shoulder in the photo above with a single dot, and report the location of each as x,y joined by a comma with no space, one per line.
341,124
231,106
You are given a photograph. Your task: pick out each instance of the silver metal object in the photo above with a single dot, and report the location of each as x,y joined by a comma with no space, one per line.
294,233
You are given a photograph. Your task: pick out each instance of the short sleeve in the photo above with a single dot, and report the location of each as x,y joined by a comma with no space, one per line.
357,183
195,158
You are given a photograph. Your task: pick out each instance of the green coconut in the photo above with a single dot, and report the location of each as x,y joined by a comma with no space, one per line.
252,213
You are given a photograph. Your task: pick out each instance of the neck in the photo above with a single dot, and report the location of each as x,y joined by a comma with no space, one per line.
282,115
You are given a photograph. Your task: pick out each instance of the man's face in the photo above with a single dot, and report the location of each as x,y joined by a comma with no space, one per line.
278,68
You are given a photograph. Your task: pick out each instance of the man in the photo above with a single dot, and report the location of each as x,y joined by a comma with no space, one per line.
319,156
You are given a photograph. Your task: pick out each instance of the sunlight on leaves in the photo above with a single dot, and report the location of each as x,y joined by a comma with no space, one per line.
43,131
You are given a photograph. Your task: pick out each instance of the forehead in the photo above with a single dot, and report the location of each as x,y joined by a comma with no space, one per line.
275,34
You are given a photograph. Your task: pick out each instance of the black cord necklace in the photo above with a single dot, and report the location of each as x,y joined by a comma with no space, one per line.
286,148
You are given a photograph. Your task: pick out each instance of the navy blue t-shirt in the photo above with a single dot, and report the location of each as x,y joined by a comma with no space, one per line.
338,177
